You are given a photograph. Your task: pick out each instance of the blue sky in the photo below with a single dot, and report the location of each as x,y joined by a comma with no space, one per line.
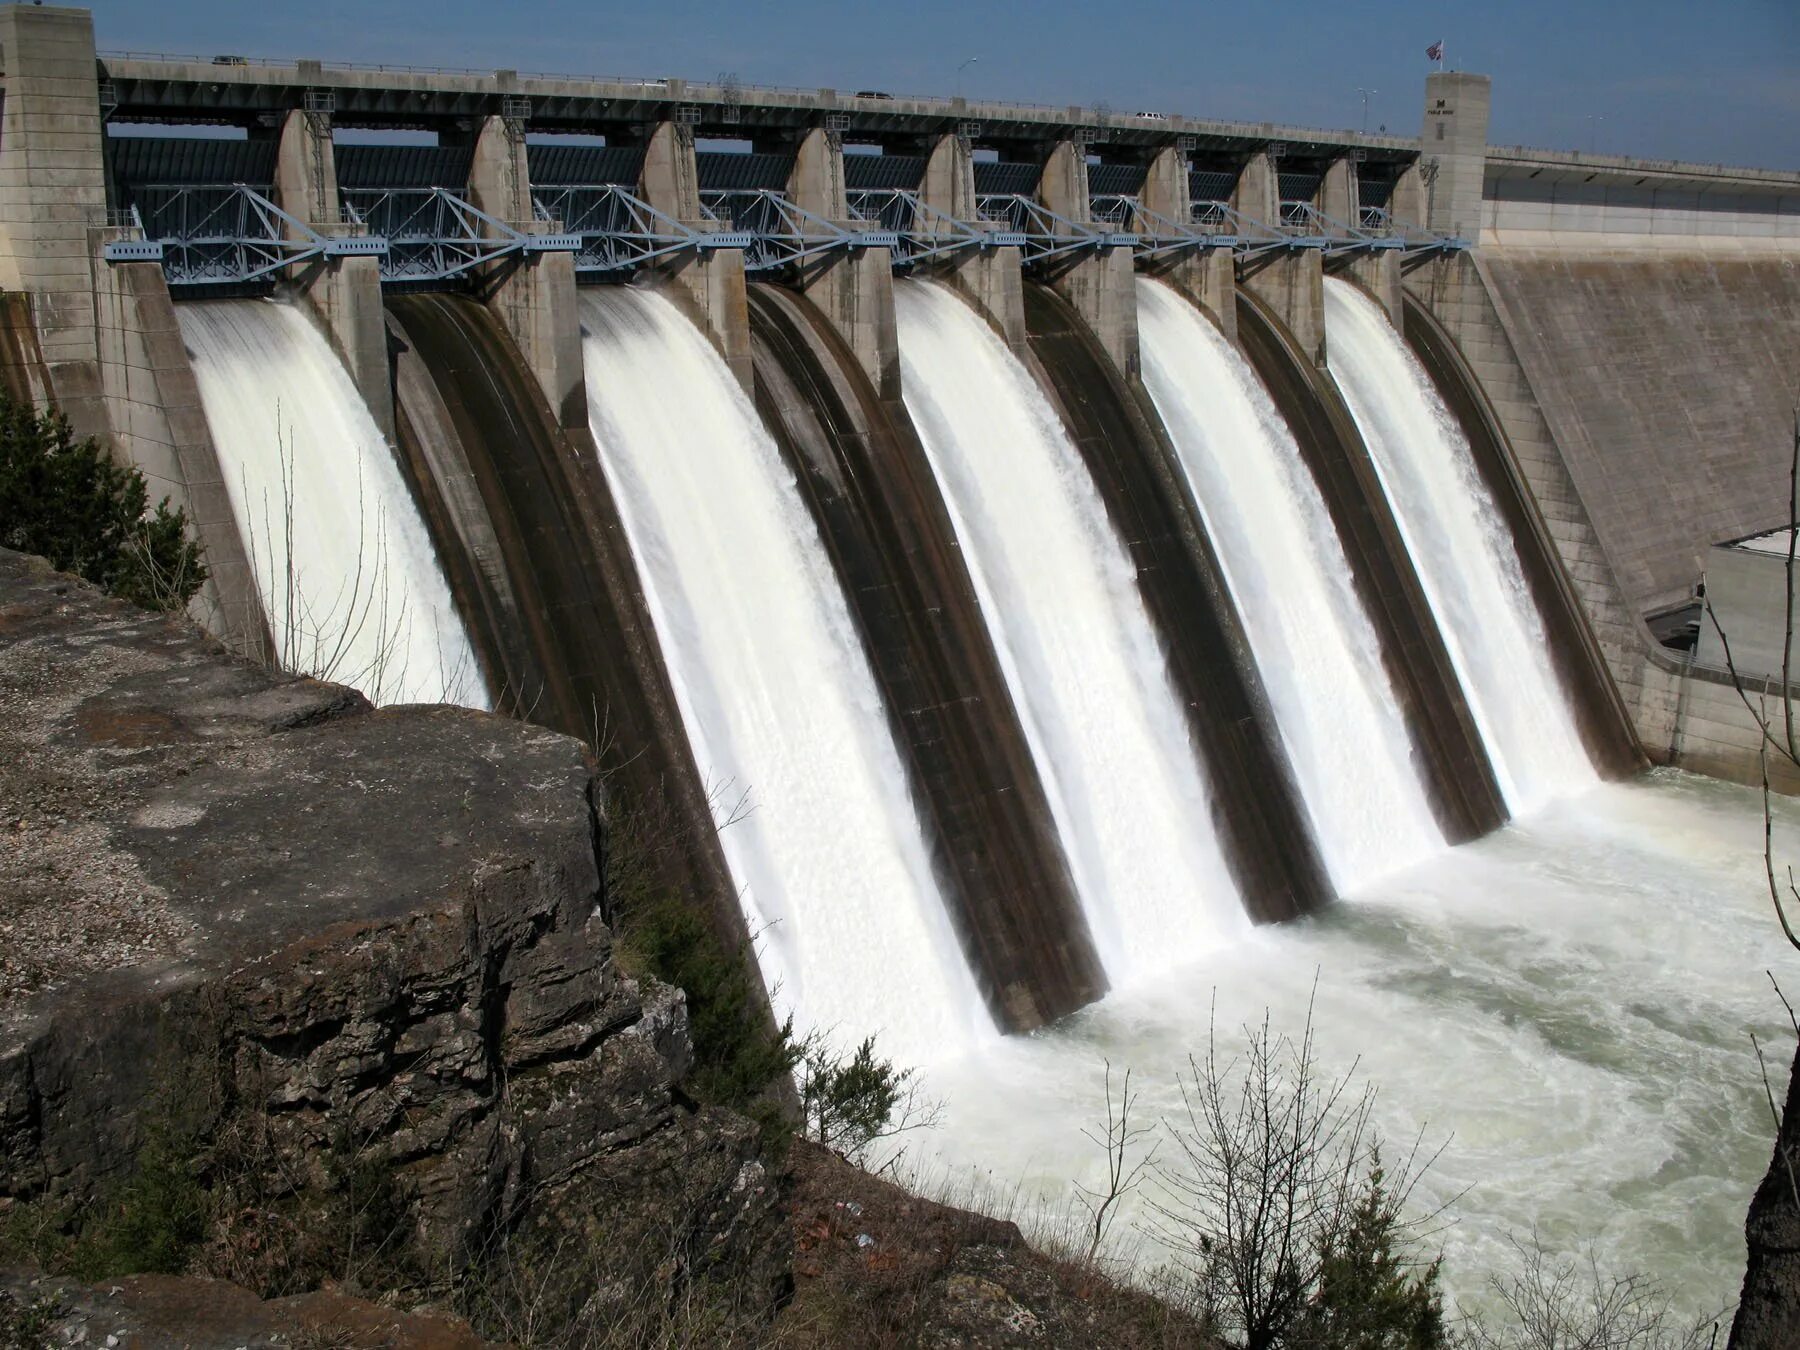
1646,77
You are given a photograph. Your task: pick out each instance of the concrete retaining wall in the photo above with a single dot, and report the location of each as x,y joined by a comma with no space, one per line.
1670,379
1684,715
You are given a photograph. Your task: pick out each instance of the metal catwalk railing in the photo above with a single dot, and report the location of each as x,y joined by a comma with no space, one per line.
224,234
233,234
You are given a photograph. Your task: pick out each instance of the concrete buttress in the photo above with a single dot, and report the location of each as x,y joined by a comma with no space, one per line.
1207,277
1293,282
1101,285
989,279
533,296
112,351
853,288
713,281
345,293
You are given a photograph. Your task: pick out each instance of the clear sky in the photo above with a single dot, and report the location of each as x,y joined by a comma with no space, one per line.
1664,78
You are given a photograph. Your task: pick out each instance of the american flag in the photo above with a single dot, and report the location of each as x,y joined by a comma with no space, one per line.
1435,52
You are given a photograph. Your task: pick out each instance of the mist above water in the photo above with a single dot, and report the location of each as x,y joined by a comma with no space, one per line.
1568,1003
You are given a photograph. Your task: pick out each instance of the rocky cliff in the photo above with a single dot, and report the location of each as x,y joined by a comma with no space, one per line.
238,906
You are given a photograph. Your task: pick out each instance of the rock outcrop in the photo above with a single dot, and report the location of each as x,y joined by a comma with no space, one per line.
1768,1315
231,896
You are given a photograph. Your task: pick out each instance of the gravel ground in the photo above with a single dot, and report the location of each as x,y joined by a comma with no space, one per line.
71,904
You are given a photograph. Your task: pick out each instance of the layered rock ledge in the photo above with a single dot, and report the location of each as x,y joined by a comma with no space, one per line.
231,894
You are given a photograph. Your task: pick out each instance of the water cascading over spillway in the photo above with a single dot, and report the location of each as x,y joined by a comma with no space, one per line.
1318,653
1061,602
349,582
1463,552
775,692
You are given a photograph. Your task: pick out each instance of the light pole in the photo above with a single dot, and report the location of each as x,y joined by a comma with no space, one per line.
1594,120
1366,95
959,74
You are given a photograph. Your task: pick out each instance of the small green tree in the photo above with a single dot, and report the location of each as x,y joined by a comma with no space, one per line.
1372,1293
66,500
848,1104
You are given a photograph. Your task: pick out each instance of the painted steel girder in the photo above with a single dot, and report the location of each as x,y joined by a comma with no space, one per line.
224,234
922,233
435,235
1046,236
781,234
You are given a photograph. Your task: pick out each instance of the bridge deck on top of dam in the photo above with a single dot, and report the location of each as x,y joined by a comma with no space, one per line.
235,91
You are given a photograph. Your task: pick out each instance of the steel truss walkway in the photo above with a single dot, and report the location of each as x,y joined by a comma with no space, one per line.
224,235
233,234
435,235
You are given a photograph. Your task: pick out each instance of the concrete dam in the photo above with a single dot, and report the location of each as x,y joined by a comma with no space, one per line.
1015,555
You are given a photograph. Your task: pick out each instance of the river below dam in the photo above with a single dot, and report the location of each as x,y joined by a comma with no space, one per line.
1566,1006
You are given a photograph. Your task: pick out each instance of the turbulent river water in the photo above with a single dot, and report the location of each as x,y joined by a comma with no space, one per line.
1566,1006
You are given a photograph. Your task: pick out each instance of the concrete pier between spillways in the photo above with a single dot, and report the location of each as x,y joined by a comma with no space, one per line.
1624,318
105,341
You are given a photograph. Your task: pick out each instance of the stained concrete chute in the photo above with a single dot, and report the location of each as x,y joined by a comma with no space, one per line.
1684,714
160,427
104,337
1574,652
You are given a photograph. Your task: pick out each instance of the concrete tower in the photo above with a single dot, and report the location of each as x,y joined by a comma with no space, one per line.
1453,142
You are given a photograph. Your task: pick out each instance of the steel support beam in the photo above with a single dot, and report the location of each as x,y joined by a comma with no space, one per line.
226,234
782,235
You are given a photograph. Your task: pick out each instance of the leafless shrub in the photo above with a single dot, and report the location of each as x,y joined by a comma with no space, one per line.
359,634
1127,1160
1278,1190
1571,1304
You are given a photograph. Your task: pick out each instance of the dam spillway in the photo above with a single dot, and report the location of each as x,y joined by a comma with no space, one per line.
1130,800
349,580
866,478
1318,652
827,852
1405,612
1464,555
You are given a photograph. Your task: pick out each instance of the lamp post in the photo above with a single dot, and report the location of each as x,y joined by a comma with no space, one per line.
959,74
1366,95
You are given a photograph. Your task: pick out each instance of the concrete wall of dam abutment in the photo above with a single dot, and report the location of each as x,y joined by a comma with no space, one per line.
1684,713
1670,377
